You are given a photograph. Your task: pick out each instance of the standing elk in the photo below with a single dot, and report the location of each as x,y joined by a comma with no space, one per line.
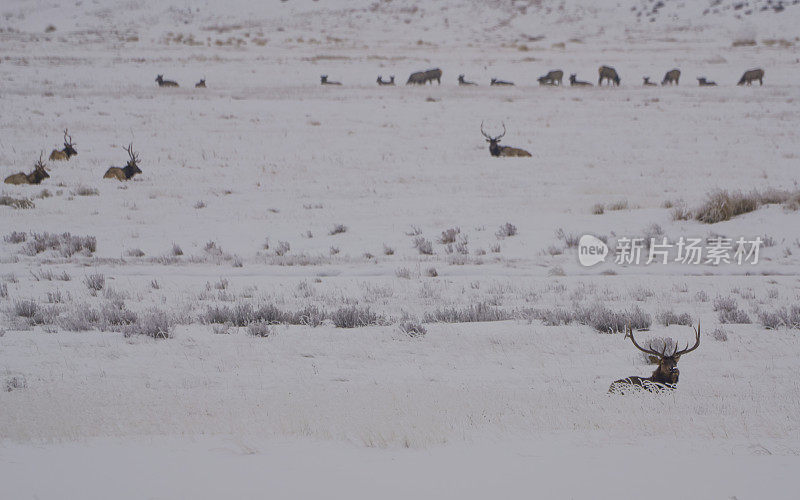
36,177
574,82
423,77
125,173
382,82
609,74
201,84
553,77
671,77
751,75
323,80
495,81
701,80
544,82
462,82
165,83
647,83
664,377
497,150
67,152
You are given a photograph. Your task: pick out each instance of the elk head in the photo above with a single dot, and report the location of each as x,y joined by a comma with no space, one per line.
494,147
69,146
39,172
667,372
132,167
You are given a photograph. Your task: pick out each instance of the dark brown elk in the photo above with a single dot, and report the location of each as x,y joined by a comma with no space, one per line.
67,152
36,177
752,75
201,84
573,81
165,83
553,77
381,81
423,77
126,172
705,83
609,74
461,81
671,77
323,80
647,83
664,377
496,149
495,81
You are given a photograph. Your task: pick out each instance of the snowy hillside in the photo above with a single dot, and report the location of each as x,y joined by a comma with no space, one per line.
337,291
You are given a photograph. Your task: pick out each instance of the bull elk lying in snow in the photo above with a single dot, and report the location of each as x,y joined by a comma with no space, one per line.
751,75
36,177
647,83
125,173
665,377
497,150
201,84
609,74
67,152
423,77
165,83
382,82
671,77
553,77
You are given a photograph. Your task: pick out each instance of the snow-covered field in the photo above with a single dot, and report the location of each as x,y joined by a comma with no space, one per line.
268,198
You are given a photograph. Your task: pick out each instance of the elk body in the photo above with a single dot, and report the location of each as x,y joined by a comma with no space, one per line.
126,172
553,77
36,177
647,83
671,77
664,377
495,81
382,82
609,74
323,80
165,83
423,77
705,83
496,149
752,75
461,81
67,152
201,84
574,82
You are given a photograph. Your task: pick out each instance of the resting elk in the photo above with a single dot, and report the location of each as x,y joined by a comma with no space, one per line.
495,81
497,150
705,83
165,83
463,82
36,177
201,84
574,82
126,172
67,152
665,377
323,80
647,83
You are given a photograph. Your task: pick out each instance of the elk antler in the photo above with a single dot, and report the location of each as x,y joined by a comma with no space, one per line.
68,139
629,333
695,346
504,132
484,133
134,156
